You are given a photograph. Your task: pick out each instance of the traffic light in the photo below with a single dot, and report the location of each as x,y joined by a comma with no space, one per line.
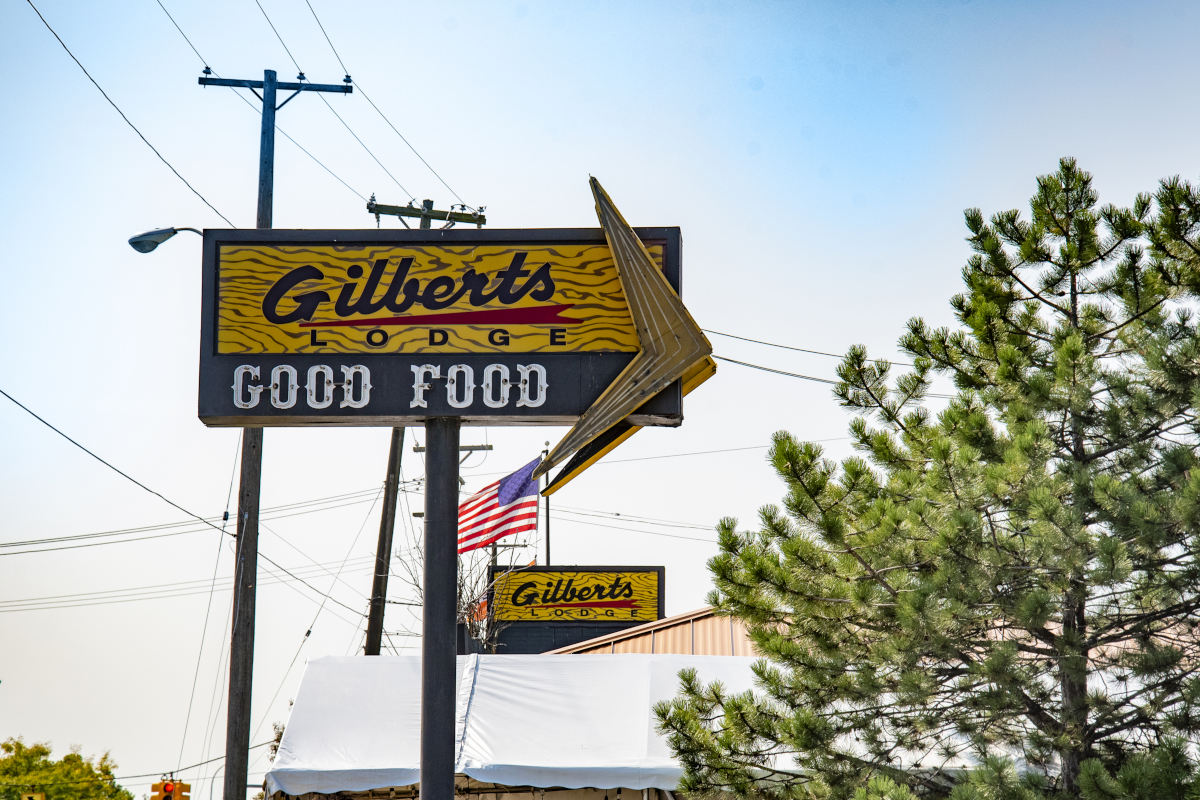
171,789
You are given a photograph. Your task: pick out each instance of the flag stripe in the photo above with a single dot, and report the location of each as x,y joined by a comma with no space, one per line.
483,519
488,512
501,518
494,516
508,518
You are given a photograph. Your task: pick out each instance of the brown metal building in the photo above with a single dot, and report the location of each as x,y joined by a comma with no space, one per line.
699,632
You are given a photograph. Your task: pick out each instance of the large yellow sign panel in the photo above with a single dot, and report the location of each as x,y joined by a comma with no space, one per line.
396,298
577,595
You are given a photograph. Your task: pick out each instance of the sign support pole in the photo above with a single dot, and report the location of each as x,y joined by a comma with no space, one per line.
438,646
241,643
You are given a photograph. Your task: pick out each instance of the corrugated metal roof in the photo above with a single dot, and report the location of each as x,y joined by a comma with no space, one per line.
699,632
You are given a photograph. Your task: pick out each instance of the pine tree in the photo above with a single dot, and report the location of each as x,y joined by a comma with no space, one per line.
999,597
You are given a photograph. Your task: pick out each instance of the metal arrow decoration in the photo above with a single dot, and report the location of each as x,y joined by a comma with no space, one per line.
608,441
669,339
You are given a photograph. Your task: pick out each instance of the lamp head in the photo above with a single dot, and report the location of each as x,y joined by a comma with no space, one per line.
145,242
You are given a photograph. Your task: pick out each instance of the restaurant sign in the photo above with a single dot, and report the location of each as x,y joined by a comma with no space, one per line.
578,594
383,327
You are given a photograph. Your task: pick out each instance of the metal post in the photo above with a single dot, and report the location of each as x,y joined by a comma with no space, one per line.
438,646
546,498
383,554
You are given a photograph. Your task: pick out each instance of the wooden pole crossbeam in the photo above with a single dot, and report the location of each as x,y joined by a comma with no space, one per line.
426,212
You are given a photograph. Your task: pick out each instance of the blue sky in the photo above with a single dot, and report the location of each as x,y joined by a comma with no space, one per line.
817,157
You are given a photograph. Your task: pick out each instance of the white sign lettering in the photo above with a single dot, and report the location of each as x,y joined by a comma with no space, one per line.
320,388
497,387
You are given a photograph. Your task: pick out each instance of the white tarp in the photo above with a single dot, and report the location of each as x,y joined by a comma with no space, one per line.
522,720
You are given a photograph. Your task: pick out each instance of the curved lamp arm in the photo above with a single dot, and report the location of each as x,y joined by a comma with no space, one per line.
145,242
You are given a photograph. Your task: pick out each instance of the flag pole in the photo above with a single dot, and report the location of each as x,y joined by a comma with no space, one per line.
546,497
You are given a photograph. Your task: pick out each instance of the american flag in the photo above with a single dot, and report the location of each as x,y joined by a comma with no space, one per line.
503,508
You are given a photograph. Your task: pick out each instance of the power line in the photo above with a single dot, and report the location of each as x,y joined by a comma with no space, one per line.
328,105
324,33
807,377
102,544
364,146
115,469
181,33
166,500
157,591
257,110
318,161
777,371
274,513
314,589
128,122
791,347
286,49
694,453
639,530
618,515
308,632
212,588
379,111
31,784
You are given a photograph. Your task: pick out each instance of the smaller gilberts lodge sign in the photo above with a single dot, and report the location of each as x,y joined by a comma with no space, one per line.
381,327
579,594
537,609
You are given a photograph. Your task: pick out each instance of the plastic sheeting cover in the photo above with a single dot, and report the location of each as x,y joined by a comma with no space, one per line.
521,720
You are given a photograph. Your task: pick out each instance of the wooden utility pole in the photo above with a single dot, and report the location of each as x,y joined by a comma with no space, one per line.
241,647
383,553
387,522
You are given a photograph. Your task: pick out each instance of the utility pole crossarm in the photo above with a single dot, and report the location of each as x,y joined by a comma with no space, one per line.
344,88
426,212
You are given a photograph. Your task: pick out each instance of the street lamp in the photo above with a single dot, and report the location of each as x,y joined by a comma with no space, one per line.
145,242
245,576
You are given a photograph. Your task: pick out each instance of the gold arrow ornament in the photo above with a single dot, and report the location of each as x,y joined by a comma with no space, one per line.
669,339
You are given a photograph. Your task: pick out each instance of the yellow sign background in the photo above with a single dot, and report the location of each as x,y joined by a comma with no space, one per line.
585,279
576,596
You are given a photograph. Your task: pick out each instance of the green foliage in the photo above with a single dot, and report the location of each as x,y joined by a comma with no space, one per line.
998,597
1164,773
881,787
29,768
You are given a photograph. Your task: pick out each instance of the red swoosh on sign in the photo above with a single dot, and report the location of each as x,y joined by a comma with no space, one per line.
537,315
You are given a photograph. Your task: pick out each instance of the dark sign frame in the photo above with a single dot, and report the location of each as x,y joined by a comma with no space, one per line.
540,636
660,571
575,379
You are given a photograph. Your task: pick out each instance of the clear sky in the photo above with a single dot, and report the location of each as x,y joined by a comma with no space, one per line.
816,155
